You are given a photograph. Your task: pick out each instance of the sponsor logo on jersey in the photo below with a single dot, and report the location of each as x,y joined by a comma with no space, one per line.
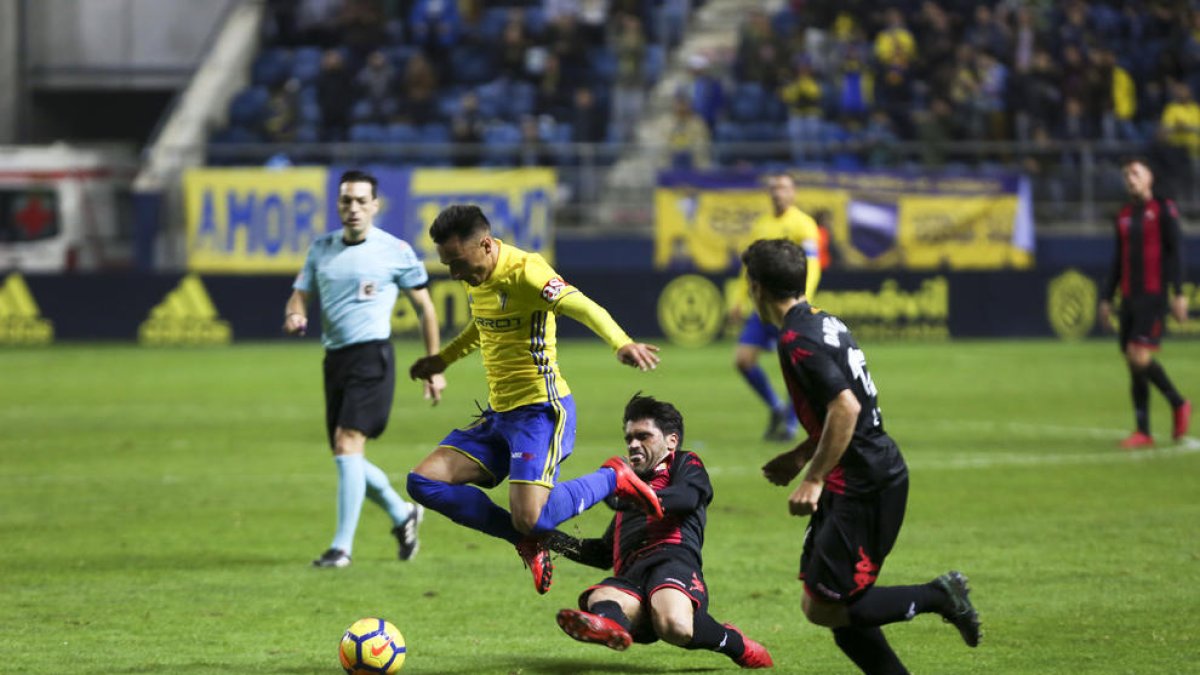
498,325
20,319
553,289
186,316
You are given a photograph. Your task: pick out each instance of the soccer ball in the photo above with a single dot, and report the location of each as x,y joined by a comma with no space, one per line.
371,646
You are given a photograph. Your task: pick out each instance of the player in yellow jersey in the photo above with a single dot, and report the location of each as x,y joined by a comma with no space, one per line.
785,221
528,429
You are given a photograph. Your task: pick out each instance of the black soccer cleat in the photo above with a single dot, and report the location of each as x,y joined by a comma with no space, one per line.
406,533
960,612
333,557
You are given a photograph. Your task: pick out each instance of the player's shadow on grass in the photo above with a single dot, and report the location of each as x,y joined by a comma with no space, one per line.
545,665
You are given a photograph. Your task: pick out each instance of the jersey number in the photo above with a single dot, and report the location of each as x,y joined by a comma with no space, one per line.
858,366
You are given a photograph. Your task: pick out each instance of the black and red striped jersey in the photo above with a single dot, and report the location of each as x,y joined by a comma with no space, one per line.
1148,256
820,359
685,491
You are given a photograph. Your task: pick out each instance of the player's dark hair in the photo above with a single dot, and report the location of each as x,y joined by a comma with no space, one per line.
1136,159
458,220
778,265
356,176
666,417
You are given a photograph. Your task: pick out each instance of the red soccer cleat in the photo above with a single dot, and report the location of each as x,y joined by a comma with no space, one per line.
588,627
1137,440
632,488
1182,418
537,559
755,655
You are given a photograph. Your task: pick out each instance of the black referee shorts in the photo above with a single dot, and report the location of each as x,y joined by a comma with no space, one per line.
1141,321
848,539
360,381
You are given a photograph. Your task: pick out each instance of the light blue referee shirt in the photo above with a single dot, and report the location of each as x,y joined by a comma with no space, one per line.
358,284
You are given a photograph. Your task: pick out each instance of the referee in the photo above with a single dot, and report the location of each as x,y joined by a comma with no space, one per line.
358,273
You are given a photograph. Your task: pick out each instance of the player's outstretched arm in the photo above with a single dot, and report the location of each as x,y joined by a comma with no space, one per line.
295,318
585,310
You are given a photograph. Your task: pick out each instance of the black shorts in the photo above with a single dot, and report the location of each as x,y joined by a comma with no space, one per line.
848,539
649,574
1141,321
360,381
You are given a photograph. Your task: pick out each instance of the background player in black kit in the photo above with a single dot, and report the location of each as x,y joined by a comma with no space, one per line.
657,589
856,486
1147,261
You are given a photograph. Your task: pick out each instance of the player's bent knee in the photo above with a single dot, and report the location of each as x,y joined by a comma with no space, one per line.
524,522
820,613
423,490
673,628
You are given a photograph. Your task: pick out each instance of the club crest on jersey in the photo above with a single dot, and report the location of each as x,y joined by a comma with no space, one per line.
553,289
367,289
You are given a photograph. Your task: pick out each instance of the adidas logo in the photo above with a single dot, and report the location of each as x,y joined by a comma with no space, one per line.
20,320
185,317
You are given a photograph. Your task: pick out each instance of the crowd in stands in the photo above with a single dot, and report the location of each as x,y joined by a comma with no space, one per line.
461,82
842,82
832,82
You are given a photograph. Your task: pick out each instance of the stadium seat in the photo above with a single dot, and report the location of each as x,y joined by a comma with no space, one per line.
271,67
749,103
654,64
500,144
368,133
249,107
438,147
306,65
471,65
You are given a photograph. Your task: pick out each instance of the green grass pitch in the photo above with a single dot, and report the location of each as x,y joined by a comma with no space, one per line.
159,509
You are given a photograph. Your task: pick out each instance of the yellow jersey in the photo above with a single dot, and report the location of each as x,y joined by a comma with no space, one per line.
513,323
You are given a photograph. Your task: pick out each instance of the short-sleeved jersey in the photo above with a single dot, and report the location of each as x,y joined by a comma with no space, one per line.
681,479
798,227
1148,256
820,359
793,224
358,284
514,312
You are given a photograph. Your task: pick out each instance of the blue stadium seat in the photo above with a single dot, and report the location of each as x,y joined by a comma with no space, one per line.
306,64
471,65
436,137
235,134
602,64
361,111
310,113
399,56
494,20
654,64
308,133
271,67
748,103
402,133
249,107
500,143
368,133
